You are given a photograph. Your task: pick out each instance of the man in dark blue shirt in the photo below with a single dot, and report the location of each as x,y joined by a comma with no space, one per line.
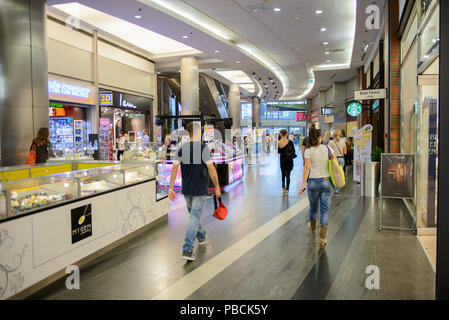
196,166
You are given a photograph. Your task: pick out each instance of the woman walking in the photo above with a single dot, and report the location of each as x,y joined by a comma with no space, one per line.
339,147
319,186
285,147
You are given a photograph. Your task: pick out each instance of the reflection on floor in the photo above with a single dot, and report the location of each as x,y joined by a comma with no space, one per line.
263,250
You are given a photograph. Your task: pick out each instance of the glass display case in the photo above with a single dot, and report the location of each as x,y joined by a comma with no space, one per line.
220,150
151,151
31,194
163,171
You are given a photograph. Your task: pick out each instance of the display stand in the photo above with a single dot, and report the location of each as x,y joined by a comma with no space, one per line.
395,168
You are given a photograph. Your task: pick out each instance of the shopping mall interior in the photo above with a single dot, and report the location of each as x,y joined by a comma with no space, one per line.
320,120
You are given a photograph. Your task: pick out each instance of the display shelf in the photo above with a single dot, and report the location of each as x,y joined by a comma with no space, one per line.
26,196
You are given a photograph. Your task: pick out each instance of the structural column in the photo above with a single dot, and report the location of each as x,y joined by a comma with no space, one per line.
234,105
23,77
189,86
256,112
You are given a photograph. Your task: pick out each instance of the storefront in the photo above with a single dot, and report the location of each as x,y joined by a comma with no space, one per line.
122,112
70,121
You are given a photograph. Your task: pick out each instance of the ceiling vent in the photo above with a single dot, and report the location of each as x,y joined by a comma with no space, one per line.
338,50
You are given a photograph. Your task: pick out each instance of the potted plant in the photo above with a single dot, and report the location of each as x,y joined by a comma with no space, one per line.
371,174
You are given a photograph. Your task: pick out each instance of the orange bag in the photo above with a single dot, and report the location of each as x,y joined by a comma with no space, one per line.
220,211
31,159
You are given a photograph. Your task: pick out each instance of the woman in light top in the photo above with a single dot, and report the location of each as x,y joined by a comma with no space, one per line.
319,185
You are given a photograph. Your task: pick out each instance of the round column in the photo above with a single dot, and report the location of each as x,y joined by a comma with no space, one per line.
189,86
23,77
256,112
234,105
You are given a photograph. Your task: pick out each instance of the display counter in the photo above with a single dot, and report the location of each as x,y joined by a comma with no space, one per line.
30,171
228,160
85,164
49,223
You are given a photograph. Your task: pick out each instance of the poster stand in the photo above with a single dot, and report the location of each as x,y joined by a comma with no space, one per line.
397,166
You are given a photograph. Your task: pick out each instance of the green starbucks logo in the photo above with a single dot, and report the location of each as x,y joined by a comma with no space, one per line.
354,109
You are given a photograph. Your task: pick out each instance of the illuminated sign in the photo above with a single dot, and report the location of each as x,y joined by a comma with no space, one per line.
106,99
59,90
56,105
354,109
56,87
327,111
376,105
301,116
126,104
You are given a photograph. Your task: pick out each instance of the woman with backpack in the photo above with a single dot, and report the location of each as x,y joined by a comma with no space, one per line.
319,186
287,151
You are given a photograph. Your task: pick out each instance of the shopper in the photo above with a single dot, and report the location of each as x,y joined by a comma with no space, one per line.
317,180
194,158
285,147
268,142
41,145
304,145
291,137
339,147
121,142
145,138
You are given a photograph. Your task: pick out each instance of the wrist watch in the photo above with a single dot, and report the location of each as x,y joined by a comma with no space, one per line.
171,189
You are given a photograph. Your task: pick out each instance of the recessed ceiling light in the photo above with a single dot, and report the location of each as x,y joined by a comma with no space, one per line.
185,37
217,51
323,29
328,61
277,9
237,61
319,11
325,43
327,52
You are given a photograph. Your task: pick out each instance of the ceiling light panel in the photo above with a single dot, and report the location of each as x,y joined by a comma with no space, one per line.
129,32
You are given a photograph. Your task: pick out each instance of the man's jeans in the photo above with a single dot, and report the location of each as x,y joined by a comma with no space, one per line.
195,205
320,190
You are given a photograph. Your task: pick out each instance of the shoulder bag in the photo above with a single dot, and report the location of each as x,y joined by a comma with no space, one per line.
336,171
290,151
31,158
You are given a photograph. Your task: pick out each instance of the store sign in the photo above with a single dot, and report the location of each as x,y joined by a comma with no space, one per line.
354,109
106,99
81,223
63,91
126,104
301,116
327,111
370,94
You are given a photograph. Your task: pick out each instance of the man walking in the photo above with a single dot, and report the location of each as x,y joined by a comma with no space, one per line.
196,167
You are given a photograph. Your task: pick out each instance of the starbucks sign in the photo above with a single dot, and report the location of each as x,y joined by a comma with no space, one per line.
354,109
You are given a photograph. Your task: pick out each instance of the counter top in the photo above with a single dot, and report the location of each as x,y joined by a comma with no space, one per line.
26,167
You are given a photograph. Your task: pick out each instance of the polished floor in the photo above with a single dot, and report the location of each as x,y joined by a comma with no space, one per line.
263,250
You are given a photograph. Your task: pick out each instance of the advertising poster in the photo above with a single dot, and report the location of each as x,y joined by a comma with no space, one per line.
397,175
235,170
81,218
362,148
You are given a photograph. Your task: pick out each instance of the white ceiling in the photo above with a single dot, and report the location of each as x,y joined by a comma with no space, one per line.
288,42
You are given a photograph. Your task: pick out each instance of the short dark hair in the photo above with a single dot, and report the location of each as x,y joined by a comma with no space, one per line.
283,132
191,126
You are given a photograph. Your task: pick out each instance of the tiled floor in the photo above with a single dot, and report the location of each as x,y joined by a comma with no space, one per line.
263,250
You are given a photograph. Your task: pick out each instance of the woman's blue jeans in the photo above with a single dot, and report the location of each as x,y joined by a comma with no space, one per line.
320,191
195,205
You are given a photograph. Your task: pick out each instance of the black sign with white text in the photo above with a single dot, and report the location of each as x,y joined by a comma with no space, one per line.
81,223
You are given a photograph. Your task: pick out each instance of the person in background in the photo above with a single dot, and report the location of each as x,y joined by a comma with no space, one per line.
285,162
339,148
41,144
268,142
145,138
167,140
196,167
327,137
317,180
121,142
291,137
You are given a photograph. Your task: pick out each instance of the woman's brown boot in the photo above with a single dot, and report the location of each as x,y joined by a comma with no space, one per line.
311,225
323,233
